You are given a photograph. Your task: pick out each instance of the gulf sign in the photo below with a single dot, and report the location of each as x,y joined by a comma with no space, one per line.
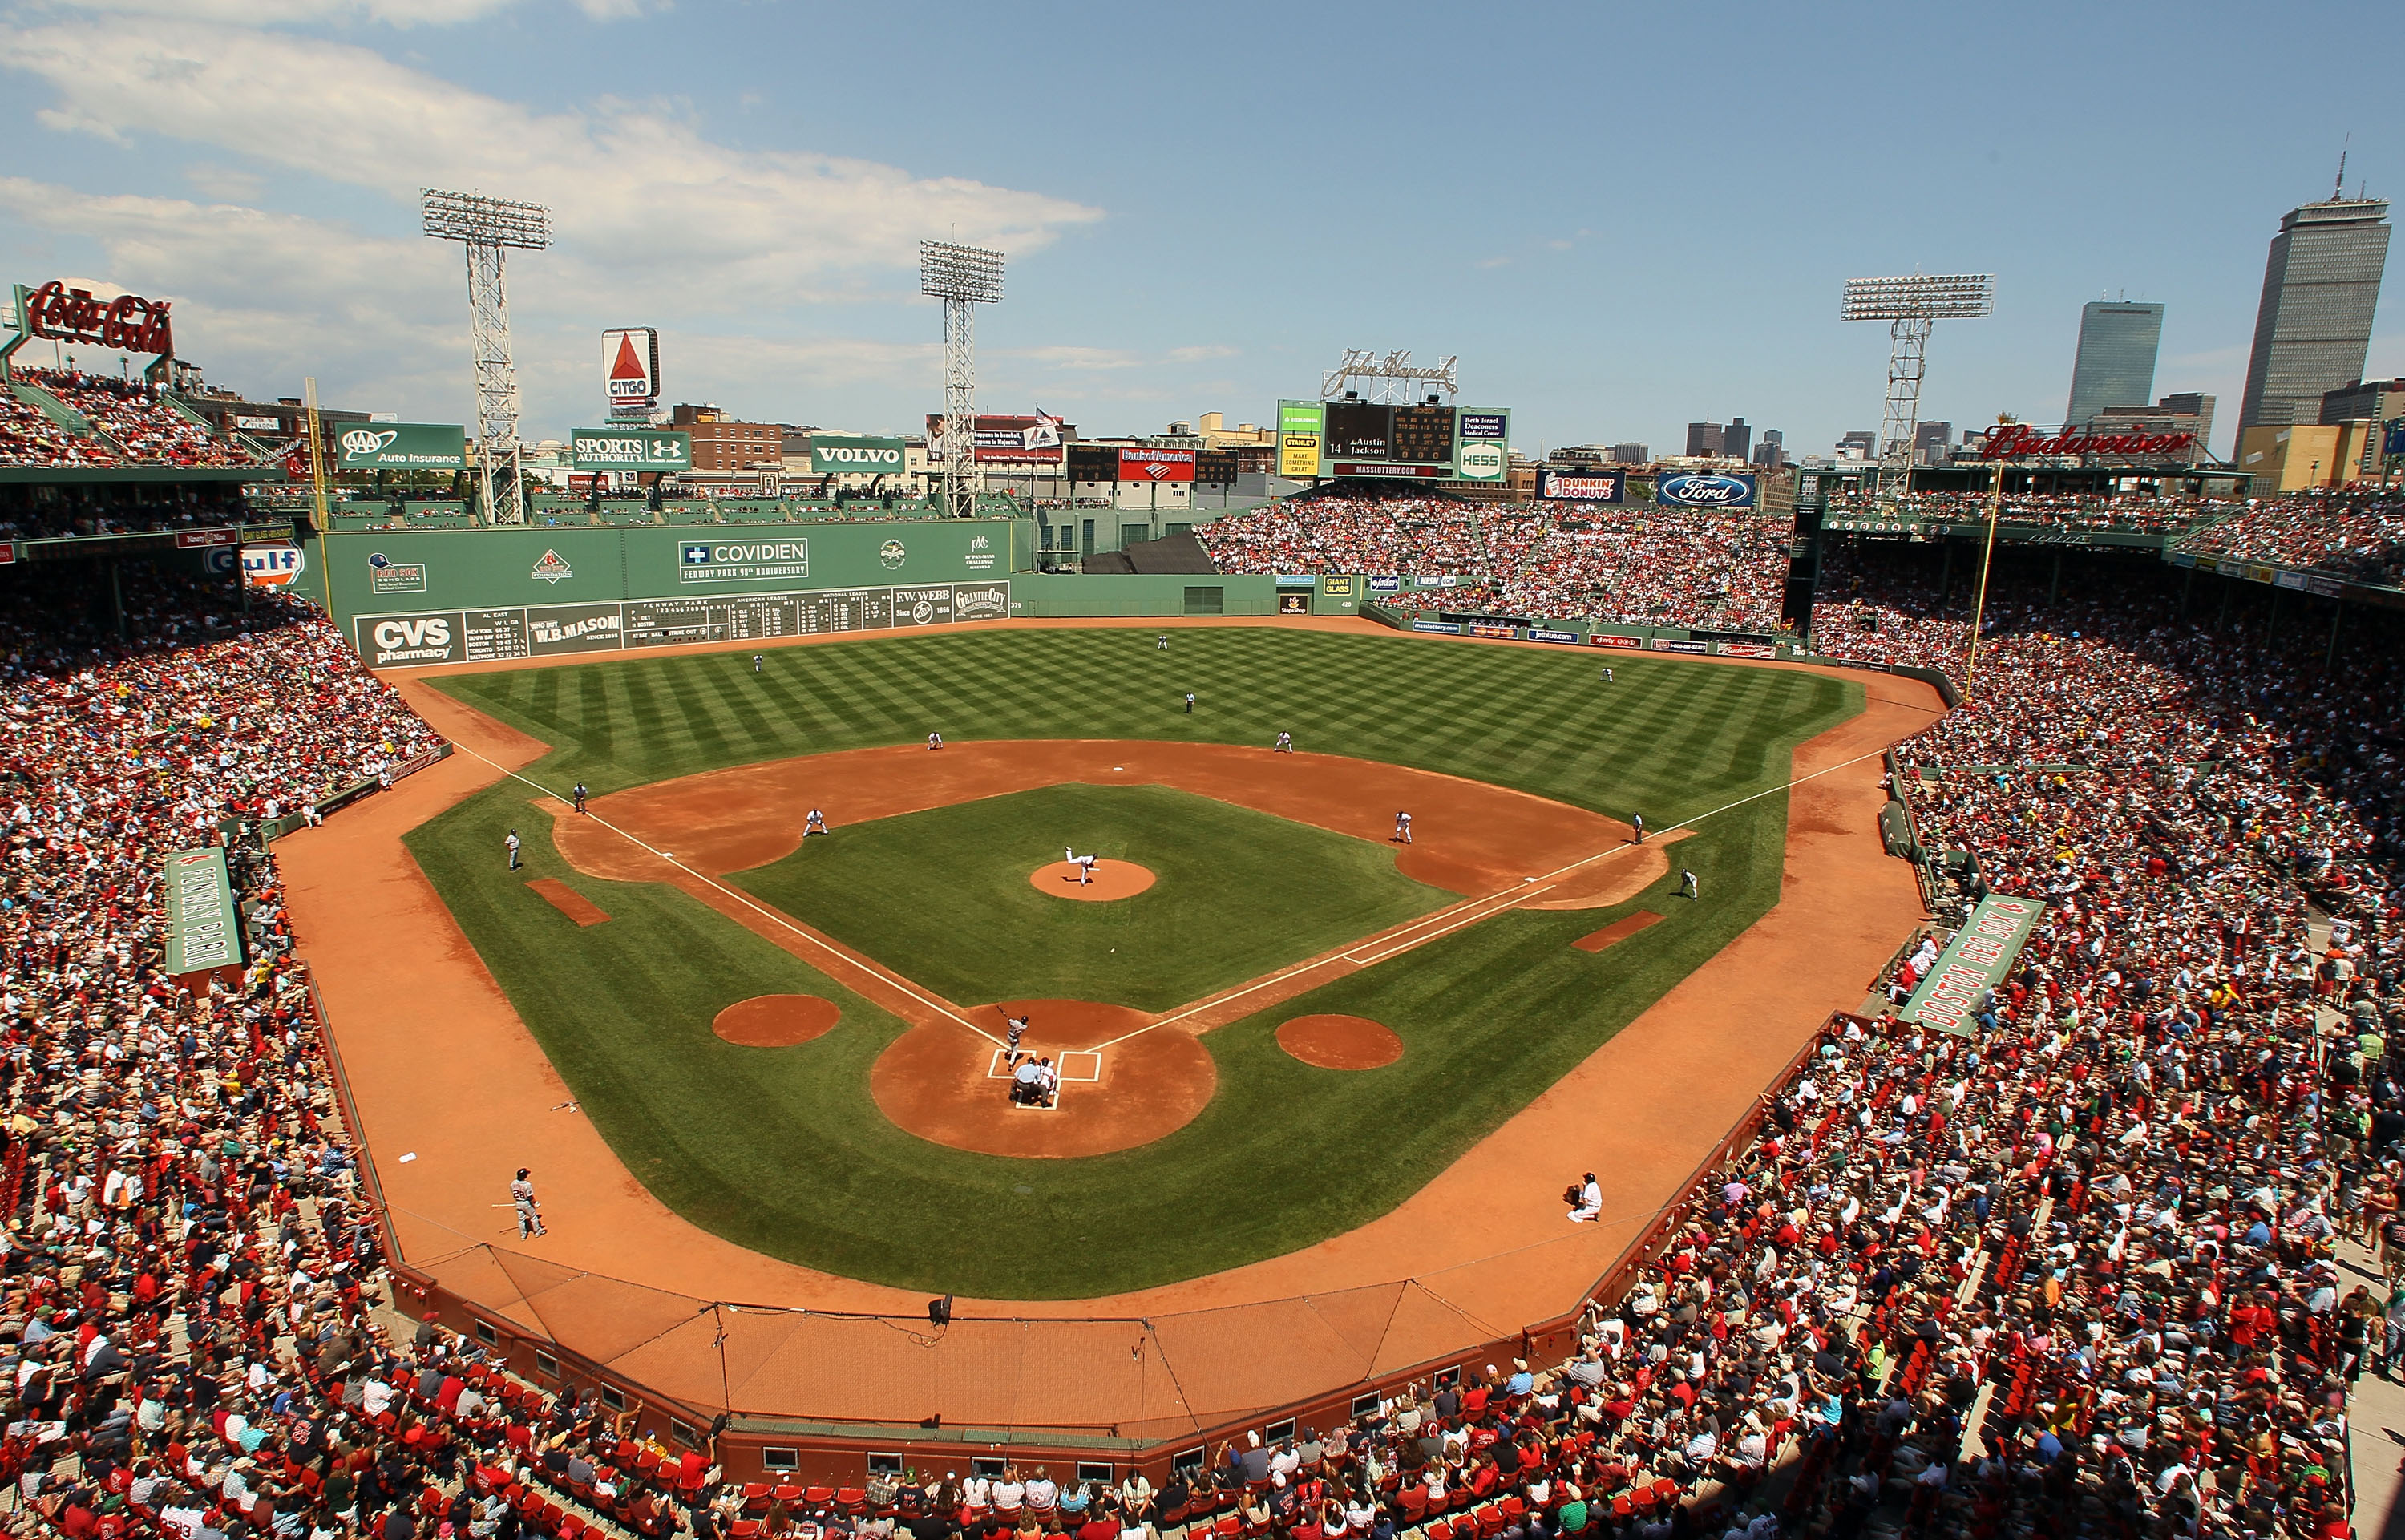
1156,465
273,565
1704,489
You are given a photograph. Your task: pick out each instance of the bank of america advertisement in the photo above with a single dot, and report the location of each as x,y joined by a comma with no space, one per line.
1303,427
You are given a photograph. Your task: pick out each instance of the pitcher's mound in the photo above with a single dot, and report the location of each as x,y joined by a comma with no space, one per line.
1112,879
776,1021
1340,1042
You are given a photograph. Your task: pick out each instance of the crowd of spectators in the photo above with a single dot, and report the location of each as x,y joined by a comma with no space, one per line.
2162,515
1570,561
28,436
2352,532
130,412
2075,1274
1655,567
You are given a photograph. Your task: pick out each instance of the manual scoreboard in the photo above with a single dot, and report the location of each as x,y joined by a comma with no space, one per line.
1416,442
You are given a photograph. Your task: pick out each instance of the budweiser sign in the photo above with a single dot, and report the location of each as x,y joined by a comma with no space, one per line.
72,315
2014,440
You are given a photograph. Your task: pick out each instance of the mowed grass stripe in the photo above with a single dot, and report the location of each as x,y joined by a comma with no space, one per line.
784,1150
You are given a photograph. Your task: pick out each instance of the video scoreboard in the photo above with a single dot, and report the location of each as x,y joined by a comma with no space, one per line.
1420,442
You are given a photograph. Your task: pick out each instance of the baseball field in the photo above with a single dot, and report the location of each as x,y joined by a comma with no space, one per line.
1190,1134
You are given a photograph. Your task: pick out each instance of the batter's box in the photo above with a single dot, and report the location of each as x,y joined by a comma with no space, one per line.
1084,1065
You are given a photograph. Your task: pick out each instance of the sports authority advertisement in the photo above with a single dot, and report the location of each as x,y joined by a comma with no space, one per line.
1005,440
1156,465
470,636
1301,430
846,455
630,450
402,446
1483,451
1704,489
630,367
1974,963
742,560
1582,486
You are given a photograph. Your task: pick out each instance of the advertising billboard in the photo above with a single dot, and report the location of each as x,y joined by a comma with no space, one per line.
1005,440
1302,427
630,450
630,367
1582,486
1156,465
844,455
1704,489
402,446
1483,444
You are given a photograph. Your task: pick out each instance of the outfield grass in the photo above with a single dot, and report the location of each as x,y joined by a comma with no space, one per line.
943,897
783,1151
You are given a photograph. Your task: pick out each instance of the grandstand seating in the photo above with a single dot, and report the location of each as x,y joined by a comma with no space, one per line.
147,429
2073,1274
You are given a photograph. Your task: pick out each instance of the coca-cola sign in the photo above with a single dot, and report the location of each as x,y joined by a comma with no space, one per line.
2015,440
72,315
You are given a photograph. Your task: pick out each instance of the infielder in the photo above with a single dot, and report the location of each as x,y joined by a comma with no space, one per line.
579,796
1402,829
1086,869
1686,884
815,824
1639,820
934,740
1284,744
530,1211
512,842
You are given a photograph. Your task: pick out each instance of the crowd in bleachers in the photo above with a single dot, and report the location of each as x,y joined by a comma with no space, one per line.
2073,1275
150,431
1655,566
2355,532
2163,514
29,436
1570,561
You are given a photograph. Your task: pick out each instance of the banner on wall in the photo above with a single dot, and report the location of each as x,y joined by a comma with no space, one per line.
1974,963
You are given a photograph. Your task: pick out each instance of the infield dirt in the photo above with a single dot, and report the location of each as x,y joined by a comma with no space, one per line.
1484,1243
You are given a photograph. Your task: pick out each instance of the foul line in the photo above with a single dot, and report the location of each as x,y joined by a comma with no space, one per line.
1393,944
1461,916
874,970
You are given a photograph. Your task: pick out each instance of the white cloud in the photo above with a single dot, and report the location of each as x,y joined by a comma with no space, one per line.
1196,355
635,189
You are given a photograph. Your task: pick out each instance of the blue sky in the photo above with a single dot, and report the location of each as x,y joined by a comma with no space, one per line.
1619,218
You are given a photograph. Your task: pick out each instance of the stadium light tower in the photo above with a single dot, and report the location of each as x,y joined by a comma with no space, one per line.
490,228
964,277
1910,306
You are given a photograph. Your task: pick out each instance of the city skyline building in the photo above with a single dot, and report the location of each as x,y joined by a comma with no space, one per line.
2114,364
2313,327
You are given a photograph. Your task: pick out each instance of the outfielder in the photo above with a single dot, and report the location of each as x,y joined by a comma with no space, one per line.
1190,703
756,662
1161,644
1606,676
815,824
1402,829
